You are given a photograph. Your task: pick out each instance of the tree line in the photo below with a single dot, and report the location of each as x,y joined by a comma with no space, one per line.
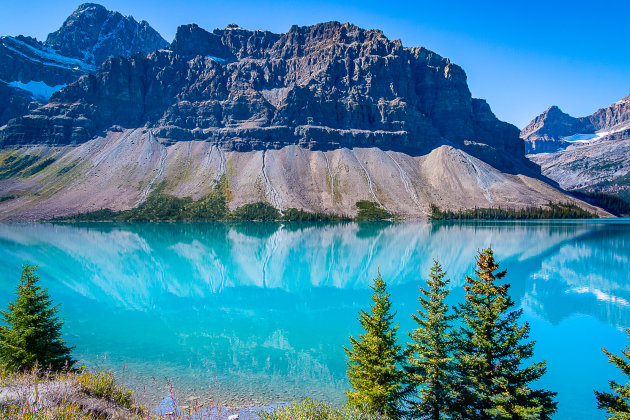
159,206
551,211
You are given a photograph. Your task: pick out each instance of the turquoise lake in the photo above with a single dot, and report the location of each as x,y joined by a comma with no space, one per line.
247,314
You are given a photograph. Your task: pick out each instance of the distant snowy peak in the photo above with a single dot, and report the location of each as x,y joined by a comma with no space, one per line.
92,34
553,129
31,70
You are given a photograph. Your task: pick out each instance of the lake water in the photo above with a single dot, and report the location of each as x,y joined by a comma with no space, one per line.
257,313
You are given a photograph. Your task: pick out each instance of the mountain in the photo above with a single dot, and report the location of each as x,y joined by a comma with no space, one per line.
324,86
316,118
93,34
553,129
590,153
86,39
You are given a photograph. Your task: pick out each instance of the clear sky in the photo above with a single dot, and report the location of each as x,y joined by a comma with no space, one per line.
521,56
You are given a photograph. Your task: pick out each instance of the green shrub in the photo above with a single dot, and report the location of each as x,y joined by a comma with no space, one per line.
369,210
67,168
256,211
13,165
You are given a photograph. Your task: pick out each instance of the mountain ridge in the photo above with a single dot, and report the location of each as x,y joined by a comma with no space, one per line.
589,154
317,118
548,131
233,77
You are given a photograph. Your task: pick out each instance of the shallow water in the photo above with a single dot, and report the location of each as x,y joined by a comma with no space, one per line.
251,314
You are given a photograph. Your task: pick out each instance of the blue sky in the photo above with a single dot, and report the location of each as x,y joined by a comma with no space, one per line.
522,56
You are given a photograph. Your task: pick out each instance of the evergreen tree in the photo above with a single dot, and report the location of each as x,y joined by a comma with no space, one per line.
375,361
617,402
492,349
32,334
430,362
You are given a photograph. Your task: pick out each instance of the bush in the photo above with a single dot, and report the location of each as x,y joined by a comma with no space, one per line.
257,211
369,210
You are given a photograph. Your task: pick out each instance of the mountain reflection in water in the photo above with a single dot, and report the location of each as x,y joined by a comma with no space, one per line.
259,312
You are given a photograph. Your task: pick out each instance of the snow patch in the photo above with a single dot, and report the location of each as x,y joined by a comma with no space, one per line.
589,137
46,56
38,90
220,60
580,138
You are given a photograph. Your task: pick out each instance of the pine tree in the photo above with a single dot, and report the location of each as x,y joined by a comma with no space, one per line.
375,361
617,402
431,365
32,334
492,349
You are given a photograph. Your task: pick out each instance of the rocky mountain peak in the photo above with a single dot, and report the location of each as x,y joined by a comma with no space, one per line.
92,34
324,86
546,132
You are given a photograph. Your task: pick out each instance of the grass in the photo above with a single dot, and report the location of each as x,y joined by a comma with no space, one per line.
316,410
103,385
14,165
39,166
68,168
66,395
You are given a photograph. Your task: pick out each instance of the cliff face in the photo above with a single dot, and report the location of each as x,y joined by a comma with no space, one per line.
86,39
323,86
